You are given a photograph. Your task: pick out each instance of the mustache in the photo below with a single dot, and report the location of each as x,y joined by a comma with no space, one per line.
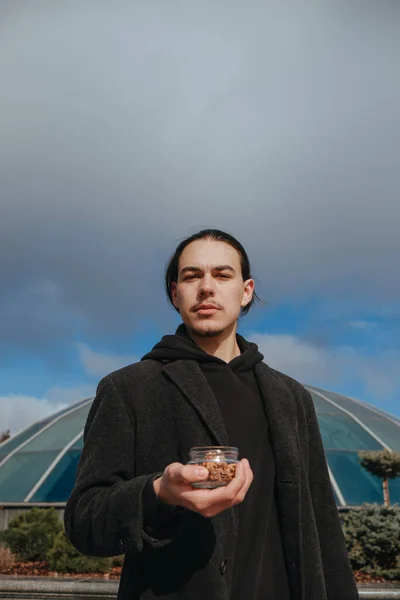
196,307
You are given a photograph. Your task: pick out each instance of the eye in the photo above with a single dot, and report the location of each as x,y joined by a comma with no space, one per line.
224,276
190,277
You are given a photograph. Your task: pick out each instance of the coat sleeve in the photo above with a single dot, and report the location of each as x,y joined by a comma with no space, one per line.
339,579
104,515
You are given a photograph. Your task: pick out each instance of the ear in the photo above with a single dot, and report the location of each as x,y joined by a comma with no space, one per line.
248,292
174,294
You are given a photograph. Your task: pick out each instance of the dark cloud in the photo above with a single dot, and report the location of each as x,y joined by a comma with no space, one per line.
126,126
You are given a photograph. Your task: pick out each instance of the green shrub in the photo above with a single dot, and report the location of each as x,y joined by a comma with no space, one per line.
118,561
31,534
64,558
373,539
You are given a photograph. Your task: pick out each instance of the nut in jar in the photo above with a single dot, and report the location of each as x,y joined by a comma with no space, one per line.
220,461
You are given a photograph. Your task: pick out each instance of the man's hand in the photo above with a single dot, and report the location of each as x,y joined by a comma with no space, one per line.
174,488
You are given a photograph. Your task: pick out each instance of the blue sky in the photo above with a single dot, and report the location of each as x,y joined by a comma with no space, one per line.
126,127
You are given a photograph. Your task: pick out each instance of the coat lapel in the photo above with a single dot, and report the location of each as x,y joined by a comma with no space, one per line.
188,377
280,408
281,412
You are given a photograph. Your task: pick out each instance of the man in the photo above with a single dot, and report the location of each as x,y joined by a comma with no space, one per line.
273,532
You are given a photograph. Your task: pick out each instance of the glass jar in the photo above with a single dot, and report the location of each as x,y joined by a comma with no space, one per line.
219,460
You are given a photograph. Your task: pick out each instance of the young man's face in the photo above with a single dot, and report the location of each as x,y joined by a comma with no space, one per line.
210,290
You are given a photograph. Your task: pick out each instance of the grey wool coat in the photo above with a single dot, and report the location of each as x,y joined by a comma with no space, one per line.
146,416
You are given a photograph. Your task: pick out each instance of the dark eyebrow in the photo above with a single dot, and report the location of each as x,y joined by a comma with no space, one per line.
224,268
198,270
186,269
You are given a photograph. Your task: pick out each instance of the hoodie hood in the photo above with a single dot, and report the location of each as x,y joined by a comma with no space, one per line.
181,347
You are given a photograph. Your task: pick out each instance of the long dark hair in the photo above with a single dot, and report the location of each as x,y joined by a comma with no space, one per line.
171,270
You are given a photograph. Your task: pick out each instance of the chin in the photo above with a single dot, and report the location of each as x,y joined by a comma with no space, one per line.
207,329
207,332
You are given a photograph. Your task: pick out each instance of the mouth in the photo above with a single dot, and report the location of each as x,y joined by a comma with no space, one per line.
207,309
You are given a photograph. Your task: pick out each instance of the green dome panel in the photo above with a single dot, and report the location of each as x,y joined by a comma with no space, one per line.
39,464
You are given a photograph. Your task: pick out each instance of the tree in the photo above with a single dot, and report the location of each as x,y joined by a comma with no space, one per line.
382,464
4,436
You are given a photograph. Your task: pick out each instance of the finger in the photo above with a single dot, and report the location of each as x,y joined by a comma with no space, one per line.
247,470
232,489
204,498
178,473
234,493
249,476
224,494
211,502
243,491
240,475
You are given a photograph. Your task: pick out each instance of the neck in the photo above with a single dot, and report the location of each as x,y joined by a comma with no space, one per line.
223,346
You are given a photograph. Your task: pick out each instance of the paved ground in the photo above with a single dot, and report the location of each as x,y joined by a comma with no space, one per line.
47,588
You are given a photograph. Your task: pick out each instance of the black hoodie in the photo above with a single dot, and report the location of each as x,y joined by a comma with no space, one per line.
259,572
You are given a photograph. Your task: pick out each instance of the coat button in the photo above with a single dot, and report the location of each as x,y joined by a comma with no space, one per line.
222,567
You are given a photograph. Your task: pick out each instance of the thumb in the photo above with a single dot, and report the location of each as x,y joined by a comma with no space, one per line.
178,473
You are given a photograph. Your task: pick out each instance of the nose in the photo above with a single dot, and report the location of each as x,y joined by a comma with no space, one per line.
206,289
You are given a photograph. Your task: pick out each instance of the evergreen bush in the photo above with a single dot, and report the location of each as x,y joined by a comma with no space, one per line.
118,561
64,558
373,539
31,534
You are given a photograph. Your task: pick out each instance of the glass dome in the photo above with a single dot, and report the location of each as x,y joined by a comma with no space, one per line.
39,464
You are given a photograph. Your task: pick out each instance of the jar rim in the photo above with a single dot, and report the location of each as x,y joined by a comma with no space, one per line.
214,448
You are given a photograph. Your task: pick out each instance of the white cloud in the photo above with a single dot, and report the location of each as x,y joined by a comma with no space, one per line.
381,374
298,358
363,325
100,364
59,394
18,411
332,366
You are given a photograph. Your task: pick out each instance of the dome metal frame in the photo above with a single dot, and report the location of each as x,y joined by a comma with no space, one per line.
328,417
334,483
59,456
